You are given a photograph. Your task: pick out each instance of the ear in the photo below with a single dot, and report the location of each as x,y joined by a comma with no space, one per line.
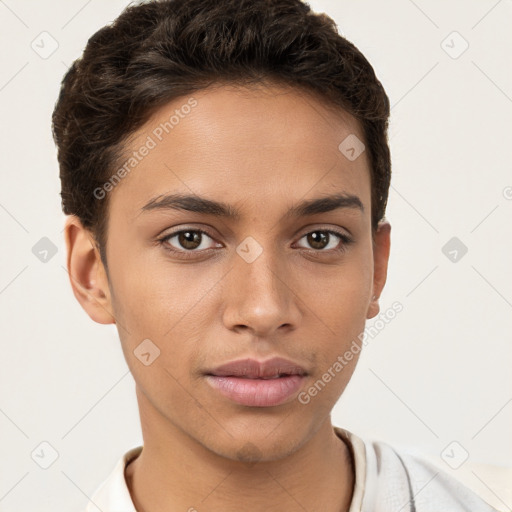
87,274
381,245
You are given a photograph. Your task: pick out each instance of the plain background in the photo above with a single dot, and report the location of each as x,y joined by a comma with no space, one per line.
437,378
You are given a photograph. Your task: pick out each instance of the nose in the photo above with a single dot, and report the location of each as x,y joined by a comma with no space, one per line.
260,296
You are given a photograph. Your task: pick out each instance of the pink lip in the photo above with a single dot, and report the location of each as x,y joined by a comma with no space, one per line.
258,384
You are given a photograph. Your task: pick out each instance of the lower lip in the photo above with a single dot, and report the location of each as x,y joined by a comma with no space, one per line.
257,392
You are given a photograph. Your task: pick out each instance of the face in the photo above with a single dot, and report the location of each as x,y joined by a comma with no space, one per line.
269,280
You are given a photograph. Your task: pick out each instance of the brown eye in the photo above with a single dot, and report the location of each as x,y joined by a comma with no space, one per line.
188,240
324,240
318,239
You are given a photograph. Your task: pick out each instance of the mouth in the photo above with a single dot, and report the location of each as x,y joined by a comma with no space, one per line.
257,384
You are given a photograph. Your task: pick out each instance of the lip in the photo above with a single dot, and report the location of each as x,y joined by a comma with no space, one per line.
257,384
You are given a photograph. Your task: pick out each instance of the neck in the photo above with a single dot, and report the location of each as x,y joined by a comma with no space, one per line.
175,472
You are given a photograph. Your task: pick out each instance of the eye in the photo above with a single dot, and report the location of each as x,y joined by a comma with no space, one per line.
187,240
325,240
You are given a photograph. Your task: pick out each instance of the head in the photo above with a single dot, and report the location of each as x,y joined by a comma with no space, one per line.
274,127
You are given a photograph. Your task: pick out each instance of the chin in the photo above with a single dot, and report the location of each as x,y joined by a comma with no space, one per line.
254,445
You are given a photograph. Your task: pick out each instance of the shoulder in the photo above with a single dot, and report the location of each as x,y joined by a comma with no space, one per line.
398,480
421,486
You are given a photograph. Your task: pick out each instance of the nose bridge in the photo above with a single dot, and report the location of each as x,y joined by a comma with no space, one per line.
259,296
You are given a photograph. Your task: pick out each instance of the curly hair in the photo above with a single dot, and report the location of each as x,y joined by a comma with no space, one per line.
156,51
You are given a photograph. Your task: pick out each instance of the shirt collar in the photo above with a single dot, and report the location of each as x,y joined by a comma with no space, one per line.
113,494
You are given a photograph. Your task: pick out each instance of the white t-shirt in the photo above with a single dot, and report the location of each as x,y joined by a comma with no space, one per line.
385,481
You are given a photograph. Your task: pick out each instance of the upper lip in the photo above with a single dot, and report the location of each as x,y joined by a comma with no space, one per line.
252,369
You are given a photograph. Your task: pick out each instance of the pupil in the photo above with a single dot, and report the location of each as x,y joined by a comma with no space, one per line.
318,239
190,239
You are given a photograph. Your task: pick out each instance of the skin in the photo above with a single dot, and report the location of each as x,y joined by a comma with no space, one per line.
295,300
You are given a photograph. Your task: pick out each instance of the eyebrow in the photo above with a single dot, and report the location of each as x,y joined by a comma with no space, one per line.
194,203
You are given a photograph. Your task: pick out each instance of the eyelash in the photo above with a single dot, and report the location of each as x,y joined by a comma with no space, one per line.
186,254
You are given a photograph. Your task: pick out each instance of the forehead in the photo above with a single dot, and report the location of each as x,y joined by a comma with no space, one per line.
238,143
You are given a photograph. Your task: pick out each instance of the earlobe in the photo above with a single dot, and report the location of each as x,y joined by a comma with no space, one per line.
373,308
87,275
381,248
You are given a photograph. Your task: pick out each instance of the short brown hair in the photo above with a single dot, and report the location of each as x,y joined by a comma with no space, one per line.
156,51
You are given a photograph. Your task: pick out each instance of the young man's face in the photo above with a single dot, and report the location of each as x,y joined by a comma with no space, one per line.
267,283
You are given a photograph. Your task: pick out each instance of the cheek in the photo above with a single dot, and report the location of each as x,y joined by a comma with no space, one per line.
341,307
152,294
339,296
169,305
